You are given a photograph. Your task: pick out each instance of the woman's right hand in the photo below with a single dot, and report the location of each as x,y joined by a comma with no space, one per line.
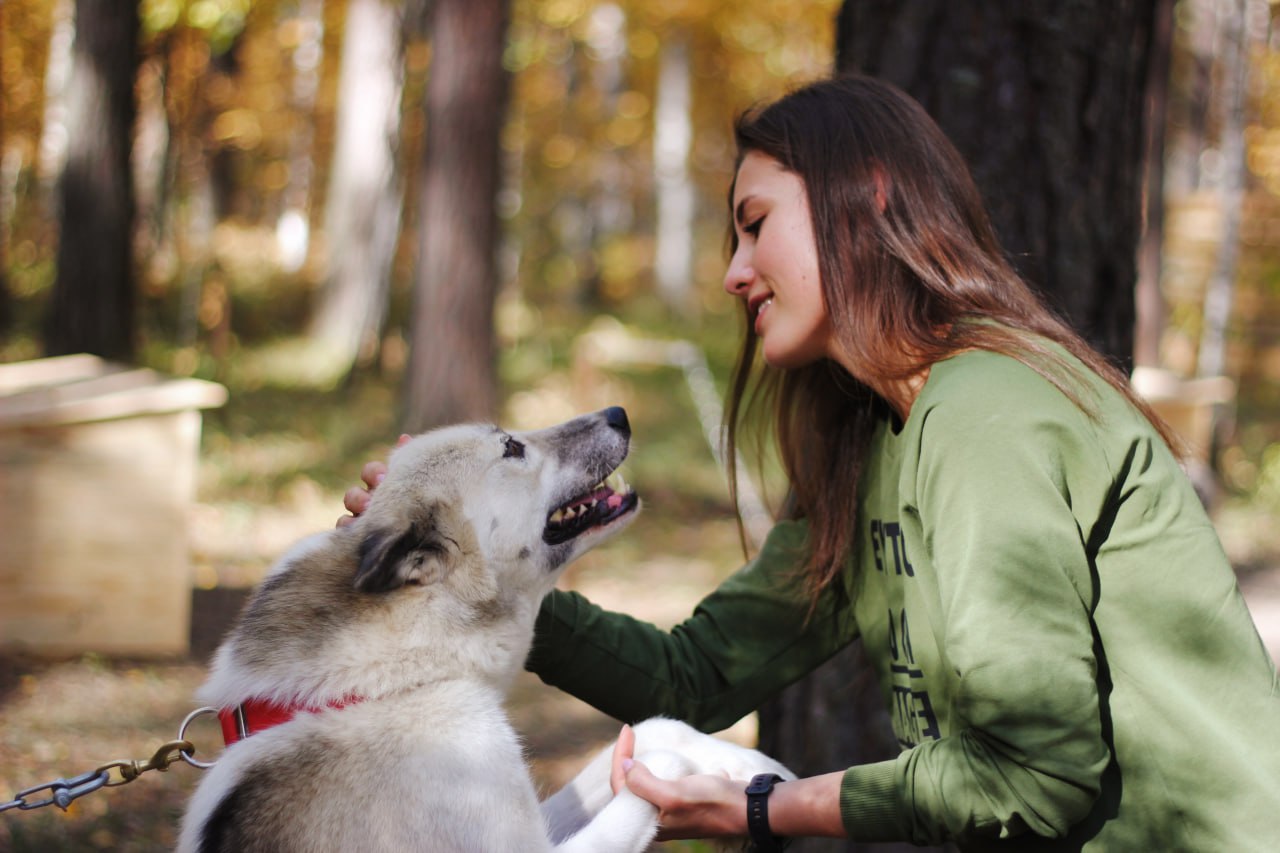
356,500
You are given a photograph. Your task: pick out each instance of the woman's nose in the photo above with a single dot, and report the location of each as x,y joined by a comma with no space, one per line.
739,275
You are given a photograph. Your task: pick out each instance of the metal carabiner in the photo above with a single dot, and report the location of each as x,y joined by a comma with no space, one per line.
63,791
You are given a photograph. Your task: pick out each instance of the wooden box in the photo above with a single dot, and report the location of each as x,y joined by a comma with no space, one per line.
97,476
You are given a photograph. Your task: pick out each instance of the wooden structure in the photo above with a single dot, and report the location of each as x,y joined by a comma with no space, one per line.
97,476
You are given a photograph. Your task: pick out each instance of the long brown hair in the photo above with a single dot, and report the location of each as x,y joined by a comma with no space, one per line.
912,273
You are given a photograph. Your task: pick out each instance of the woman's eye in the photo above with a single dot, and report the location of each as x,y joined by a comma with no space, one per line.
753,227
512,449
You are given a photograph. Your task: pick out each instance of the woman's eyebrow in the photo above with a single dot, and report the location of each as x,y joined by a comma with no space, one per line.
740,212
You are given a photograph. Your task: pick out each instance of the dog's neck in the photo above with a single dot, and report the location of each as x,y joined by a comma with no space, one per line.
257,715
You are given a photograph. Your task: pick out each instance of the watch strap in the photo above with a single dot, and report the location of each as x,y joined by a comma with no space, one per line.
762,838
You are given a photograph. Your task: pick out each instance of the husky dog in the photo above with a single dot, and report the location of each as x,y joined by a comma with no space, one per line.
362,690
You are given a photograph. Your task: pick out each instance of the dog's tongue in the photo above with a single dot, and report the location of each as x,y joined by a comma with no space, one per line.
614,501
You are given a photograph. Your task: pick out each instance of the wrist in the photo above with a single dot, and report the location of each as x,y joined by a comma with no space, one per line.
763,838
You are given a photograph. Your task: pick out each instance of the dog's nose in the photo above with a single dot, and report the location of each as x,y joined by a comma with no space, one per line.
616,417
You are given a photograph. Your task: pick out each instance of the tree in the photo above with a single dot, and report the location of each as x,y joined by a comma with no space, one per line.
451,374
362,207
92,304
1046,101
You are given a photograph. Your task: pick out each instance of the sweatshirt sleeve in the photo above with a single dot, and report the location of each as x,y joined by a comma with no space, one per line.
744,642
1002,496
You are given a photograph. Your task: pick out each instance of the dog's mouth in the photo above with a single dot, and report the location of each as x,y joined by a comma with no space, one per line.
604,503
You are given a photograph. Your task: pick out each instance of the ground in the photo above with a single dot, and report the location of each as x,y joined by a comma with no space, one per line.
65,718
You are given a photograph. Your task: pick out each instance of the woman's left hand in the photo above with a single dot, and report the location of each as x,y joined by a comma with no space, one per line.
701,806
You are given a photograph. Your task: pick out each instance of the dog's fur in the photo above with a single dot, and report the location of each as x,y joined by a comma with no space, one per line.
423,609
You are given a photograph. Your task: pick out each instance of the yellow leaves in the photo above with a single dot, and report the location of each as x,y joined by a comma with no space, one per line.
222,17
633,104
559,151
238,127
1263,152
561,13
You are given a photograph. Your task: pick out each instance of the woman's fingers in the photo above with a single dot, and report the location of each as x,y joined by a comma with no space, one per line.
373,473
356,499
698,806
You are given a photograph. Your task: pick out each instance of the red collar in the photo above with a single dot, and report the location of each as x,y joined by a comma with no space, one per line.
256,715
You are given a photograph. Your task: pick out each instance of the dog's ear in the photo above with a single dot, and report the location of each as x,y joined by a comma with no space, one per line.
391,558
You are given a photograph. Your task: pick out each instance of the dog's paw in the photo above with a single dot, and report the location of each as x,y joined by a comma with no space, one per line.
666,764
703,753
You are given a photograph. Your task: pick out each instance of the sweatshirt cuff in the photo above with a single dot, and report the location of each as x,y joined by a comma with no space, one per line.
869,803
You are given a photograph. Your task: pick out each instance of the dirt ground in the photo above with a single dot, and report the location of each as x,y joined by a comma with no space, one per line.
63,718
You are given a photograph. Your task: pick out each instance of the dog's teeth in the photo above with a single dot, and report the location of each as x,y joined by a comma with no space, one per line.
557,517
616,483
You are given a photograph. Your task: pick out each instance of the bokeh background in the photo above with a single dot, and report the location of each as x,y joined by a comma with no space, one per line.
279,155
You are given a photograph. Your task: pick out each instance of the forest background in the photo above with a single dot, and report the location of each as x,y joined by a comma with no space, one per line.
278,235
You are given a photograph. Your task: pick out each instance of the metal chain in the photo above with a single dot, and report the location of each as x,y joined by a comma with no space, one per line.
62,792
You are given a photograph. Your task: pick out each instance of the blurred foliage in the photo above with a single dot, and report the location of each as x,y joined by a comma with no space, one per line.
216,157
235,127
1193,228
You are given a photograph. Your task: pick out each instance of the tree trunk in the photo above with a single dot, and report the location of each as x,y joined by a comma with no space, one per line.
451,373
92,304
293,223
1046,101
1149,296
1233,17
672,142
362,207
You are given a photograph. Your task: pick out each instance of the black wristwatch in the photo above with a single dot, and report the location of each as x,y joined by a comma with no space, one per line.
762,838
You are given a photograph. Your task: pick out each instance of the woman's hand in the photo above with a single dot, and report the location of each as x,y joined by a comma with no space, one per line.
702,806
356,500
708,806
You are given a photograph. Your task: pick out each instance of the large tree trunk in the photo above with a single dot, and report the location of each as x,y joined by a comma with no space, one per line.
1047,102
451,375
92,305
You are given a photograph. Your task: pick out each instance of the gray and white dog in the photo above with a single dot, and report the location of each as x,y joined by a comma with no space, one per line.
363,689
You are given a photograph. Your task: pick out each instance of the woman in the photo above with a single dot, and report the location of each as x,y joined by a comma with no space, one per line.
1065,655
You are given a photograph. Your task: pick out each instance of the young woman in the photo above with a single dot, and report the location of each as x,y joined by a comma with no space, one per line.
1066,658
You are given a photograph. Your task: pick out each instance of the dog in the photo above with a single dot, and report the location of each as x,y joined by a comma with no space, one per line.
362,689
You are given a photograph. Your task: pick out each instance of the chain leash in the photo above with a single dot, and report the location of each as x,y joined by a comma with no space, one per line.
63,792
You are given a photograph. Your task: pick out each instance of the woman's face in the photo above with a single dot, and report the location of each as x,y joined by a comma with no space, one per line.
775,267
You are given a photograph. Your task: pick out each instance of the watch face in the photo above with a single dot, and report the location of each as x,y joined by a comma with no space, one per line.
762,783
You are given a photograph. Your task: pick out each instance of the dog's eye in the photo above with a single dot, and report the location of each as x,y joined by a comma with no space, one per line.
512,449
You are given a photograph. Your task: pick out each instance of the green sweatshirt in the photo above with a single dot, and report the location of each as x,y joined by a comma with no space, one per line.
1059,638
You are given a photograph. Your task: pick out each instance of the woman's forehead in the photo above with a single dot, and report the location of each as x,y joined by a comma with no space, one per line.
762,175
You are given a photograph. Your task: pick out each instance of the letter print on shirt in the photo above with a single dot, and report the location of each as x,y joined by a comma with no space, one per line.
912,713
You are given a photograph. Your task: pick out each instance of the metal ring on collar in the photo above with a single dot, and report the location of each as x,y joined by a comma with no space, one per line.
182,735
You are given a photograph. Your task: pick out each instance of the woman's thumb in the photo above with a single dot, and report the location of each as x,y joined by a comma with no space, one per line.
640,780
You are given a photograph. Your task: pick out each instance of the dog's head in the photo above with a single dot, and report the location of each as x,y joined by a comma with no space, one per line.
515,500
458,545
